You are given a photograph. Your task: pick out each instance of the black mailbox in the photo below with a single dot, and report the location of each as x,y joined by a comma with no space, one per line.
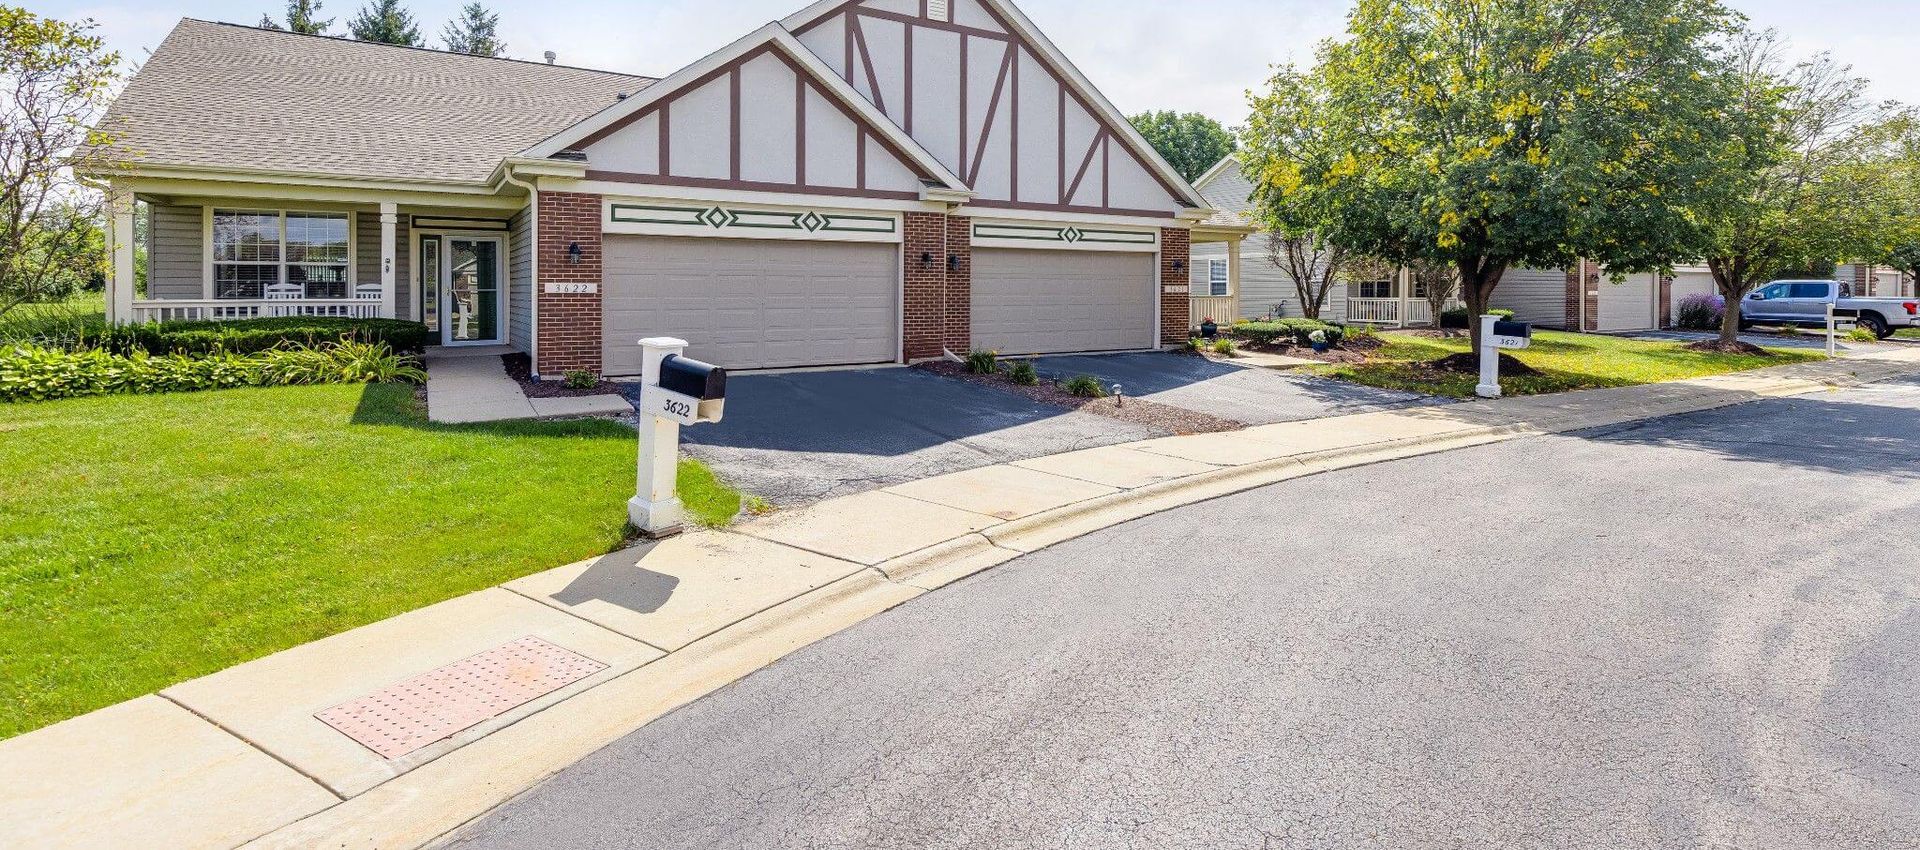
690,377
1503,327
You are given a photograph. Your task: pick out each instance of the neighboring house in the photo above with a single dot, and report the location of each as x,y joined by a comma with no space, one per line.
1556,298
1868,280
871,181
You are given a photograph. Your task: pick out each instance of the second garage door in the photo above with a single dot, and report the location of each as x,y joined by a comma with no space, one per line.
750,303
1046,302
1629,304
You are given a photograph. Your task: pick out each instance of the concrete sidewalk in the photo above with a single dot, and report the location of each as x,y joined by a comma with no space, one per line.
471,385
278,753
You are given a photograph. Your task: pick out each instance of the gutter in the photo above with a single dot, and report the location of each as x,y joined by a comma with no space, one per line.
533,266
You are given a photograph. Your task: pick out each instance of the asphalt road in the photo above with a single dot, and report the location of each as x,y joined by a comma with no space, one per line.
1701,632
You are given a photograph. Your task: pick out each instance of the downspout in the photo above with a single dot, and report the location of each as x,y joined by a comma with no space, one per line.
533,268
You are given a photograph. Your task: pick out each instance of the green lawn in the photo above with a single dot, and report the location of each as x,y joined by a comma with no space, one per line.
1908,333
150,539
1566,361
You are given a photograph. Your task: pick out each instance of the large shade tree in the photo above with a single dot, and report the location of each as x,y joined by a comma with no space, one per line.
1190,142
1497,134
1896,171
1796,183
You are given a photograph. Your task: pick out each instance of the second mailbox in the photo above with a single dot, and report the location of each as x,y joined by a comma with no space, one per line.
690,377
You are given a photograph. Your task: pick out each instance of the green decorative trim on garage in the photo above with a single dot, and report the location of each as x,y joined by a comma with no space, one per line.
1067,234
721,218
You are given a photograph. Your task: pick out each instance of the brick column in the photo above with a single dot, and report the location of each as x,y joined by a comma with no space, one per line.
1574,293
923,286
569,324
1666,301
1175,247
958,316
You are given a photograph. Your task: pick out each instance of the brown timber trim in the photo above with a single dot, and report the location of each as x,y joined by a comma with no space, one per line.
733,123
1060,127
750,186
993,110
1085,163
1106,170
1013,126
906,88
840,9
929,23
666,141
667,100
860,158
1069,208
800,130
965,85
873,79
858,119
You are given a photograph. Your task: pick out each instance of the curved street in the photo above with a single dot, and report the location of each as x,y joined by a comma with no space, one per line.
1696,632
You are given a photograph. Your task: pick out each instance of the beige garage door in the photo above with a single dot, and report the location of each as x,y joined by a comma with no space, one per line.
1628,305
750,304
1045,302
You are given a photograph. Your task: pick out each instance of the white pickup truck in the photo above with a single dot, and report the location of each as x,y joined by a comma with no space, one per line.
1804,303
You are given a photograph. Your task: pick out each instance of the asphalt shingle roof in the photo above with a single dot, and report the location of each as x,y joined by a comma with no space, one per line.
228,96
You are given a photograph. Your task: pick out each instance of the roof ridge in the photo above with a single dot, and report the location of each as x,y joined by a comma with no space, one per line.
351,40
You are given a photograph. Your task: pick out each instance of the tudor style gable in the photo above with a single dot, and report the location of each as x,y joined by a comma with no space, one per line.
1000,110
760,121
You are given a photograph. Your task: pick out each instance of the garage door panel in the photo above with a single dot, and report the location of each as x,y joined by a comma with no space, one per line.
1044,302
748,304
1628,305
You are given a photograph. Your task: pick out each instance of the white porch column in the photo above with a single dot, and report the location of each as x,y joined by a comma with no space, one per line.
389,222
1233,281
120,274
1404,287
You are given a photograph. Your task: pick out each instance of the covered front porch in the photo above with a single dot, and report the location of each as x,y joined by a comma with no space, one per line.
1213,290
197,251
1393,302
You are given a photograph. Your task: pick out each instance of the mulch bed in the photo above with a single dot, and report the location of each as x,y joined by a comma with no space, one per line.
1468,363
520,369
1714,346
1355,352
1165,417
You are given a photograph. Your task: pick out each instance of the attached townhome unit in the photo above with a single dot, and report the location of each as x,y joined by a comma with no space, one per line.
1248,283
1870,281
863,182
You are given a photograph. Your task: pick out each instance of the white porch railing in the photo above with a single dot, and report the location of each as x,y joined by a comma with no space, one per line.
232,308
1392,311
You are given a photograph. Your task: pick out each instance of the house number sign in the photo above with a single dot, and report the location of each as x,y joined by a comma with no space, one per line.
572,288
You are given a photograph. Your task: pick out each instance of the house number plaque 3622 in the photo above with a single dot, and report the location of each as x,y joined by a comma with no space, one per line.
572,288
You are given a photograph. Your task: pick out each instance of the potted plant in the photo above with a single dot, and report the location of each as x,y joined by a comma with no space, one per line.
1207,328
1319,340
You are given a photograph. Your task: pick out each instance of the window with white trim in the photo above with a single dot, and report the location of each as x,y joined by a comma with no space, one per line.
1373,289
281,254
1217,277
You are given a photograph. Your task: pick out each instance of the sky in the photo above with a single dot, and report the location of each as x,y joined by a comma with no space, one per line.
1186,55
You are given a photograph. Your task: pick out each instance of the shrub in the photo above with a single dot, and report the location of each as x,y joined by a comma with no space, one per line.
580,379
1224,345
1084,386
1022,372
244,336
1294,331
1459,317
1195,345
1701,312
37,373
1862,335
1789,330
981,362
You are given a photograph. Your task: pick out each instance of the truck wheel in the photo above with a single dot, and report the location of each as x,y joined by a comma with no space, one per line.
1876,324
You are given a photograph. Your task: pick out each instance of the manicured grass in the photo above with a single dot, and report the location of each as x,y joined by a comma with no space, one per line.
1566,361
1908,333
146,540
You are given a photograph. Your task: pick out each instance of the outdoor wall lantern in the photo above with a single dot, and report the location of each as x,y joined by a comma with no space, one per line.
926,258
1179,265
953,262
573,254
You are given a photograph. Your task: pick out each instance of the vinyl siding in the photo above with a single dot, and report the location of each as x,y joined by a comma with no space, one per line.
366,267
520,283
175,253
1534,295
1264,287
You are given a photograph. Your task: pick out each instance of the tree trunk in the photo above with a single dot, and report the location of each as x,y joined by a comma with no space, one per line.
1727,279
1478,277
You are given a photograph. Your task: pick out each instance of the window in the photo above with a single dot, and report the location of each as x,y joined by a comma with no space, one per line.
1217,277
1373,289
1817,291
1778,290
274,254
429,287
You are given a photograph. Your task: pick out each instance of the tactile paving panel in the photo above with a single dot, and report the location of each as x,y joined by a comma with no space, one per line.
404,717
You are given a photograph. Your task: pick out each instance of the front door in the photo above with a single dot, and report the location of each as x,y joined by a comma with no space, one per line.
470,278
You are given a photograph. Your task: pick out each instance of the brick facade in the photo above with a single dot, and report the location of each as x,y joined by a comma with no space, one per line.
923,285
569,324
1175,247
959,313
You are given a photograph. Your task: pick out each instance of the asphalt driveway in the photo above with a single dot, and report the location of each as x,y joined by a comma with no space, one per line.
1252,396
800,437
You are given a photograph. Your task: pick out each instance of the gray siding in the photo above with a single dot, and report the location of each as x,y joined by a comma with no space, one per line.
175,253
1229,190
1534,295
520,283
1264,285
366,267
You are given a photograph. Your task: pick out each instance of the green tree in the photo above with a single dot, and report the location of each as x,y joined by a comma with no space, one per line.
474,32
300,18
1897,173
1190,142
55,78
386,21
1793,185
1496,134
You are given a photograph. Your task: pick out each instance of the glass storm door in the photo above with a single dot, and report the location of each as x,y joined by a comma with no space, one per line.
471,312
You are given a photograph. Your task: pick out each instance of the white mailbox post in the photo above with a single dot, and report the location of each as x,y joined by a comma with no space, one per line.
1496,334
674,391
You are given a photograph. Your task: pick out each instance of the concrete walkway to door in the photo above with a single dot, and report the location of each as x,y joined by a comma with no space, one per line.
471,385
